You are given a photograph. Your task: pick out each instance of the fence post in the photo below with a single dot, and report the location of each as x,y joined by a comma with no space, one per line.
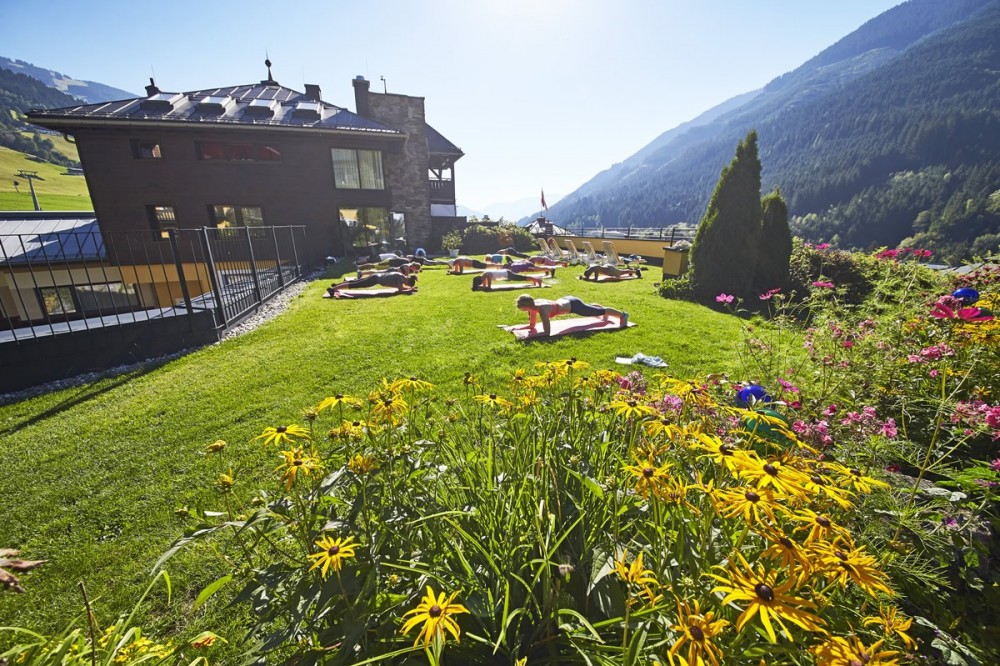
213,278
172,236
277,259
295,252
253,268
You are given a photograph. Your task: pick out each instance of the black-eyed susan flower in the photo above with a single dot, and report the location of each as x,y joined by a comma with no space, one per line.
362,464
662,428
648,477
722,453
282,434
636,575
574,364
225,480
216,446
336,400
332,553
846,651
785,480
766,598
752,503
855,479
841,562
630,407
412,384
435,613
820,526
349,430
296,462
388,406
817,485
697,630
674,491
788,554
493,400
893,623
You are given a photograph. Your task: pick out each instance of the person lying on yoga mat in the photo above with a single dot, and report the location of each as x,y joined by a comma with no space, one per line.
406,268
486,280
459,264
545,262
528,267
512,252
392,279
540,308
593,272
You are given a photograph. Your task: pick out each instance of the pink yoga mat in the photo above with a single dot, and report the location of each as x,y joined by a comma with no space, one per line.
564,326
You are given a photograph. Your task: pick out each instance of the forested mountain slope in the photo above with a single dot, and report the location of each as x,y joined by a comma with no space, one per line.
18,94
892,132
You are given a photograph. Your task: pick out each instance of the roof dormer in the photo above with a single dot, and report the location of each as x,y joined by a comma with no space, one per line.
161,102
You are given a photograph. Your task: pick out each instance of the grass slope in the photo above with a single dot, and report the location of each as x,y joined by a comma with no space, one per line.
57,192
92,475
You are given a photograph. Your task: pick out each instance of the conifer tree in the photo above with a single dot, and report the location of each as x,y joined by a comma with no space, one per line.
725,246
775,245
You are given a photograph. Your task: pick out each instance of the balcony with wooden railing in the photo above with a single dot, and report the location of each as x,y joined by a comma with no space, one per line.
442,191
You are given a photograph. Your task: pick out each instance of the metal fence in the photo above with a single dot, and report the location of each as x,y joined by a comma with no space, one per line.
67,281
671,234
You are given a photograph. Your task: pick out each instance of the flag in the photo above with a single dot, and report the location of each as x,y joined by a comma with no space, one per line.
544,205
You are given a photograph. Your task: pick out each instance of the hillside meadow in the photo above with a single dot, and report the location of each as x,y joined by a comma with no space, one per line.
57,192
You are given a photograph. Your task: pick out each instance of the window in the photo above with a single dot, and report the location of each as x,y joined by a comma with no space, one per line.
217,151
357,169
113,296
57,300
378,227
146,150
224,216
162,219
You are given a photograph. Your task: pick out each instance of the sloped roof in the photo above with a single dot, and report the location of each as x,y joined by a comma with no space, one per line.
437,144
264,104
67,239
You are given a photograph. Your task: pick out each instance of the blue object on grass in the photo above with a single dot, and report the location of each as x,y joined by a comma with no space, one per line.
752,394
967,295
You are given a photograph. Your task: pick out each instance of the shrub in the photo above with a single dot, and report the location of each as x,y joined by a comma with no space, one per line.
774,256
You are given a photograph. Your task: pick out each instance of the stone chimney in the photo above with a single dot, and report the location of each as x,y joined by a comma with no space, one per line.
151,89
312,91
361,86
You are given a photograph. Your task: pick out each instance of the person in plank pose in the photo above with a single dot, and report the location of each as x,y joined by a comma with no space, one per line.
459,264
485,281
540,308
395,280
595,271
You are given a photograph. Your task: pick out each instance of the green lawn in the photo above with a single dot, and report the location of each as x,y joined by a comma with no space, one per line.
92,475
57,192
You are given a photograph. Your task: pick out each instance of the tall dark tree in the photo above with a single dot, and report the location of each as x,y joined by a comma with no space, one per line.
725,246
775,245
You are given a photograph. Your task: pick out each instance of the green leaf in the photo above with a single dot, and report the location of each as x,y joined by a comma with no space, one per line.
589,483
211,589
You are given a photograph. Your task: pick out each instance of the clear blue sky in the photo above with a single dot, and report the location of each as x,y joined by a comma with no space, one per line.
538,93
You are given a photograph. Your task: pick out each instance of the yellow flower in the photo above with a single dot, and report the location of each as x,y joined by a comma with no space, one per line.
697,630
388,406
336,400
493,400
631,408
787,553
840,562
296,461
840,651
281,434
772,474
819,526
754,504
662,427
637,575
216,446
766,598
469,379
411,384
362,464
854,478
893,622
720,452
574,364
674,491
435,613
649,477
225,481
349,429
332,553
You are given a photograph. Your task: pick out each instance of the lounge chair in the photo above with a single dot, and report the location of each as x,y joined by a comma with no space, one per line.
615,260
591,256
572,255
557,253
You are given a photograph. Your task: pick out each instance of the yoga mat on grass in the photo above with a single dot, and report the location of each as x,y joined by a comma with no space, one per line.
567,326
366,293
610,278
467,271
514,286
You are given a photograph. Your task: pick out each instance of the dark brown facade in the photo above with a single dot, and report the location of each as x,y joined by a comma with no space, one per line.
262,148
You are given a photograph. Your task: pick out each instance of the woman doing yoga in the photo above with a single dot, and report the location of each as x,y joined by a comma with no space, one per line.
593,272
397,281
543,309
485,281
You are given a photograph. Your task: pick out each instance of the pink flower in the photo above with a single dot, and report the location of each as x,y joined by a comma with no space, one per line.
766,296
788,386
995,465
893,467
822,284
823,246
889,428
847,344
831,410
944,310
933,373
724,298
887,254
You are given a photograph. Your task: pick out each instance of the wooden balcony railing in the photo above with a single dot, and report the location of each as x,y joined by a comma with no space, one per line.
442,191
